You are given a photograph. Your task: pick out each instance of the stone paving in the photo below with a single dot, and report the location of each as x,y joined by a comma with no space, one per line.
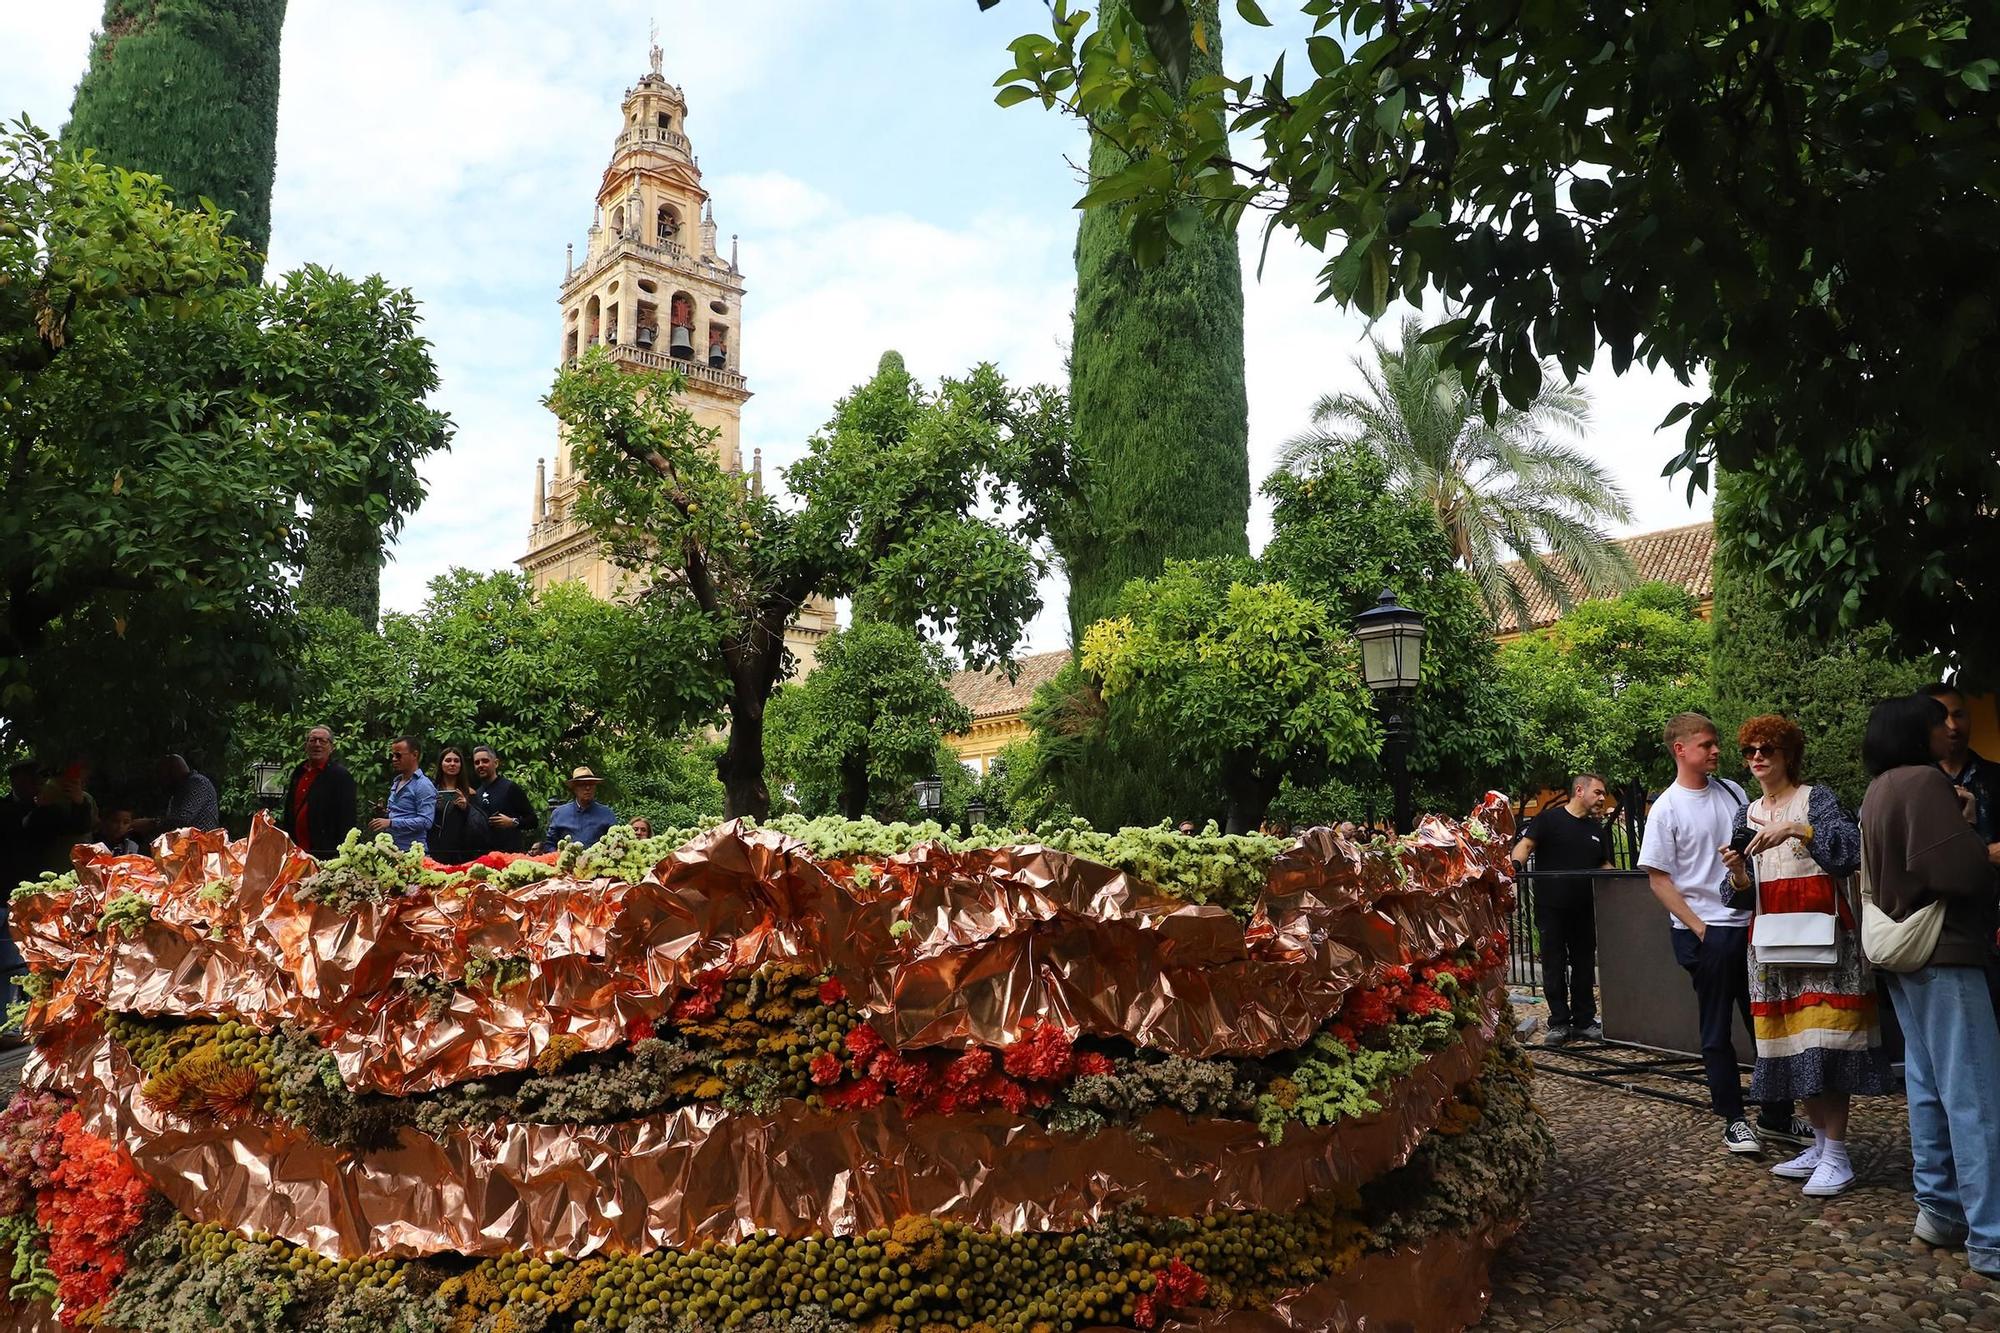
1646,1223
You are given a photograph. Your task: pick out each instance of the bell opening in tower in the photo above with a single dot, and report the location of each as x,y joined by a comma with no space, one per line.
680,326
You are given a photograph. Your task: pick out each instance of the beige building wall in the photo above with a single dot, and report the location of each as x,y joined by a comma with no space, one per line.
653,289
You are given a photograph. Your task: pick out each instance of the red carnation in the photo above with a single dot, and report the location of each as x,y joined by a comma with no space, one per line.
825,1068
1143,1313
831,991
1426,1000
1180,1285
700,1006
1090,1062
863,1042
1042,1052
968,1069
1396,976
93,1204
857,1096
1009,1094
638,1030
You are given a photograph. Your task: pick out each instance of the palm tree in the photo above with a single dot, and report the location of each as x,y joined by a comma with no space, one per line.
1516,488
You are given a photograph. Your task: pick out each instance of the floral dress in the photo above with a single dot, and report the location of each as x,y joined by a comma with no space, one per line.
1817,1029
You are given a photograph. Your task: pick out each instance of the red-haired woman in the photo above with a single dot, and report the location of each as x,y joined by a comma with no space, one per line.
1818,1038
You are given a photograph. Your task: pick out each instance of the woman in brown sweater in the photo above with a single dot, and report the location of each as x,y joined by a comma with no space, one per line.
1917,847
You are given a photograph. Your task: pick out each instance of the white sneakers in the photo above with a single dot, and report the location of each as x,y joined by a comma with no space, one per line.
1824,1167
1800,1167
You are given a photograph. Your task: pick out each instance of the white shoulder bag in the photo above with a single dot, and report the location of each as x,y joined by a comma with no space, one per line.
1794,939
1892,945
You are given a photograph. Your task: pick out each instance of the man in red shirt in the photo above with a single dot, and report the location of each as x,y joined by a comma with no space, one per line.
320,806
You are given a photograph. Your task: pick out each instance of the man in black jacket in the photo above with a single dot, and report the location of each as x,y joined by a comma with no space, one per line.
509,813
320,806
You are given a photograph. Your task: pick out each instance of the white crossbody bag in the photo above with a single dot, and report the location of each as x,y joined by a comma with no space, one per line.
1892,945
1794,939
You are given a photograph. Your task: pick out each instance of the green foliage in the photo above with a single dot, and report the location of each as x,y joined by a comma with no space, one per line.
24,1252
550,679
1250,682
188,91
1509,488
1763,193
127,912
163,423
1826,686
1094,757
1156,383
342,564
927,508
1341,534
867,722
1595,689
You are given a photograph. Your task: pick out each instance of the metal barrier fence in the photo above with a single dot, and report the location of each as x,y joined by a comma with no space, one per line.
1627,827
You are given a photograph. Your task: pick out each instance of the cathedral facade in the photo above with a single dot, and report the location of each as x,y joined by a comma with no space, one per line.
654,290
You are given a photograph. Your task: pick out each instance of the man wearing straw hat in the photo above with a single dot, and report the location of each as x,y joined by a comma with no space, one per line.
583,820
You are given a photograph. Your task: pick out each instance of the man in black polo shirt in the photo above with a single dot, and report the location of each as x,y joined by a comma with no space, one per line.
1562,838
510,815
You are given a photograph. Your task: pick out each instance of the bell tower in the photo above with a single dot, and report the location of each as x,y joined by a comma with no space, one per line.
653,289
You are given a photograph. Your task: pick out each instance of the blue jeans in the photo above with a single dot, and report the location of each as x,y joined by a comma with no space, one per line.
1951,1066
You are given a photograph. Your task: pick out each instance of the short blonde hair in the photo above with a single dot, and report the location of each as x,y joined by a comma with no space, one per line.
1682,726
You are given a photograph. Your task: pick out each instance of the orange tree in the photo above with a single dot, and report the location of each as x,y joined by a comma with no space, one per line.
929,508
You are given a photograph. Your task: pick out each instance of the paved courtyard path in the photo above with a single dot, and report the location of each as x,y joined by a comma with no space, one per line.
1645,1223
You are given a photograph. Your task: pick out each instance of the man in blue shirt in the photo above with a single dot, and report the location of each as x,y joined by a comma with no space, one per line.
412,797
583,820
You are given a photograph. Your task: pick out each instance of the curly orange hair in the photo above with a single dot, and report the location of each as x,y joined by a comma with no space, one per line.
1781,733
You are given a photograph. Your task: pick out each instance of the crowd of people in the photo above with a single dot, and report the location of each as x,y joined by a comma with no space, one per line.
1785,909
465,811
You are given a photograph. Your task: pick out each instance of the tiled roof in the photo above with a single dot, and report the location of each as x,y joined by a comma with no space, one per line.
1683,556
989,693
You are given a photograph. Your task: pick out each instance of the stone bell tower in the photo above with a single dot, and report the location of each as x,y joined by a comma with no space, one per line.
654,290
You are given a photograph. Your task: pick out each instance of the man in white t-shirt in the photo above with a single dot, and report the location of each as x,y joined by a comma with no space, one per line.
1686,832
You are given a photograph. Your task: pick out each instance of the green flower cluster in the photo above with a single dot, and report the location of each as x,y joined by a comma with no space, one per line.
127,912
48,882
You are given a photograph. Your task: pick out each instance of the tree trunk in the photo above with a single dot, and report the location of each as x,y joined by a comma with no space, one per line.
1250,797
854,787
741,764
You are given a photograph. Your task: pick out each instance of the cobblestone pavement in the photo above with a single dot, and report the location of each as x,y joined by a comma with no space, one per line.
1646,1223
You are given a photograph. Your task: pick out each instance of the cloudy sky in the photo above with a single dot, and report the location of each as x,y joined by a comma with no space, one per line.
881,199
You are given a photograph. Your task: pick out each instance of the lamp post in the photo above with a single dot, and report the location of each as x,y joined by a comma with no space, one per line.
1392,641
269,777
975,813
930,795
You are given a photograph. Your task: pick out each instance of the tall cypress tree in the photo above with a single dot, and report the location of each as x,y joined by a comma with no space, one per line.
188,90
1156,383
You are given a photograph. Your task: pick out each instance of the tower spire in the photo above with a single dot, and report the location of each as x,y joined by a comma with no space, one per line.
541,492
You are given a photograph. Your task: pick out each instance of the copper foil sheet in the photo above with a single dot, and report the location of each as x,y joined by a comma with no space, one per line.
701,1173
996,937
1440,1286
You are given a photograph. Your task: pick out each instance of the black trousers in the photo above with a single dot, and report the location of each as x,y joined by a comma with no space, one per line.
1719,963
1566,920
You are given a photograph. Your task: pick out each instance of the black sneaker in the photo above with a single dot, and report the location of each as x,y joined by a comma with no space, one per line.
1590,1032
1555,1035
1738,1137
1800,1131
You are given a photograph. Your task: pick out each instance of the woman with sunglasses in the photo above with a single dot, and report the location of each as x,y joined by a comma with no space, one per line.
1819,1040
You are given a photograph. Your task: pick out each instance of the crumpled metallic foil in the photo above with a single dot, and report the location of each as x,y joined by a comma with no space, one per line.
994,938
702,1173
1440,1286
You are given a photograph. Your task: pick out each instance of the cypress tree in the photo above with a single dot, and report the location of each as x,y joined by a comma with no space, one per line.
1761,666
1156,383
188,90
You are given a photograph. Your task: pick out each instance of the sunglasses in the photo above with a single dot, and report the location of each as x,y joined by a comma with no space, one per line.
1759,751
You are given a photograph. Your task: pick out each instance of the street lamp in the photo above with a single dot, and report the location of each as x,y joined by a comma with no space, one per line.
269,778
930,795
1392,641
975,812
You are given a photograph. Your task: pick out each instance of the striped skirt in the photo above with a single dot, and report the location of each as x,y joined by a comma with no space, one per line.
1816,1027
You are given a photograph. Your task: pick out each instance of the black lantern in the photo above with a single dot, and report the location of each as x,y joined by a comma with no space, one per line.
975,813
269,777
1392,641
930,795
